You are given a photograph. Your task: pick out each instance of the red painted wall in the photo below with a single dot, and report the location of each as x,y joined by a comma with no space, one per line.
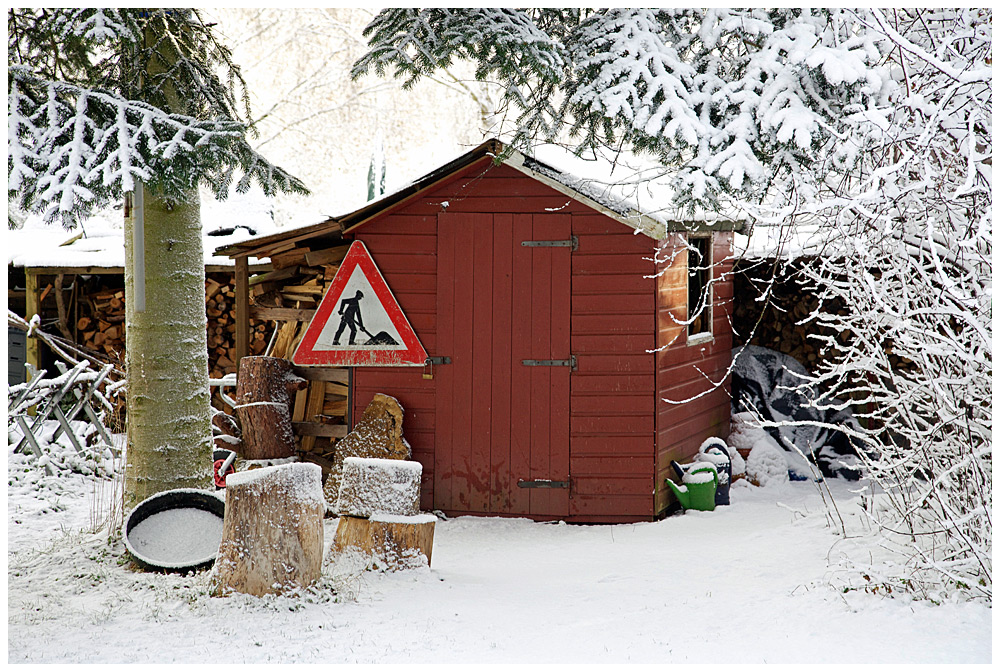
681,428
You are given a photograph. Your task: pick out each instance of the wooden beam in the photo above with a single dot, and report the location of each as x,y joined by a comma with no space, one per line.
314,407
242,282
325,373
280,274
282,314
32,307
314,429
329,255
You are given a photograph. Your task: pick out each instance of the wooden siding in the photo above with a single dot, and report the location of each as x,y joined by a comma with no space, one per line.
613,392
404,248
681,428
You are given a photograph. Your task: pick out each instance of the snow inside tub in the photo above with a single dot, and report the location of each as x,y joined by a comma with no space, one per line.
176,530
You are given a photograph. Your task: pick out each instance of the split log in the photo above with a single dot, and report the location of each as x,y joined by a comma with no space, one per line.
396,542
263,406
272,533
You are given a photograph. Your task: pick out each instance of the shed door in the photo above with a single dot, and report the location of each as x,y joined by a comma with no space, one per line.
501,422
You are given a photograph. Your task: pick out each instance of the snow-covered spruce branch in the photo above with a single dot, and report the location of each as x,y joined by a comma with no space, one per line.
73,149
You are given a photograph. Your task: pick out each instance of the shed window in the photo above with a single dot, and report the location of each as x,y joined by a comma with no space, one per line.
699,285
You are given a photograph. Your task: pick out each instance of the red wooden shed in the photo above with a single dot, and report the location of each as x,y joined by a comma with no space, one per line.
561,312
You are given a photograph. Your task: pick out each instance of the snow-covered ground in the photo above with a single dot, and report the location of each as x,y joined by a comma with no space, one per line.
752,582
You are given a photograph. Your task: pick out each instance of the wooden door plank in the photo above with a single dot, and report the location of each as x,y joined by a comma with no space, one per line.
540,316
559,399
445,374
482,359
501,483
520,404
464,481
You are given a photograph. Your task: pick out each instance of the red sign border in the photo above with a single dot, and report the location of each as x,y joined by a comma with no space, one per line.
305,355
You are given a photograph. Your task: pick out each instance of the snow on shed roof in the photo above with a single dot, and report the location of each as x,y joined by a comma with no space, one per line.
99,242
636,189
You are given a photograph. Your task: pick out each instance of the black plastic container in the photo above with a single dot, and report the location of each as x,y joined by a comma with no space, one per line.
176,559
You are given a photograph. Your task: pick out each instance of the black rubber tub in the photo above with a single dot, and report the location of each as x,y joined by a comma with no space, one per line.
176,530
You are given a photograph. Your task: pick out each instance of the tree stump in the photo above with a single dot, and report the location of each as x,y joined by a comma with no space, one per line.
264,391
397,542
272,533
374,486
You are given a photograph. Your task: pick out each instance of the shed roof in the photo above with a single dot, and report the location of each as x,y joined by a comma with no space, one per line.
626,188
98,246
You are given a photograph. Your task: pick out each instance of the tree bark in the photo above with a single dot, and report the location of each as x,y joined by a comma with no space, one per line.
168,404
264,390
272,535
396,544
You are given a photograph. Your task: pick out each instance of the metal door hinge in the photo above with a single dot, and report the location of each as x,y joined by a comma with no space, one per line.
573,243
543,483
571,362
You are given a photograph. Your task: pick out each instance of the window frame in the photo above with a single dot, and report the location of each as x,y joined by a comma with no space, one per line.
705,333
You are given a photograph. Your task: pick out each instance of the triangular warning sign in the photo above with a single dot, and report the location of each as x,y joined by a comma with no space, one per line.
359,322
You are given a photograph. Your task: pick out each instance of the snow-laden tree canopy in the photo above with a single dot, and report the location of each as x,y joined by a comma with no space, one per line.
737,101
87,117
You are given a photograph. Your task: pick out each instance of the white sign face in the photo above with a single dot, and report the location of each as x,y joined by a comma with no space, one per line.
359,321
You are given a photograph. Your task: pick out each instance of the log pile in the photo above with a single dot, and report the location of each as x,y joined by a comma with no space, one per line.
101,324
784,326
103,328
220,308
781,326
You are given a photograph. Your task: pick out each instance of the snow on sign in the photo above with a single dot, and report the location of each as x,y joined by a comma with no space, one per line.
359,322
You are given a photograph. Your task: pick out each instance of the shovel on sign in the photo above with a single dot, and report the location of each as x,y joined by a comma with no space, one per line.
381,338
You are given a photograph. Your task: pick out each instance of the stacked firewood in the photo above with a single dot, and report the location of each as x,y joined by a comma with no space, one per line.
784,325
103,331
220,308
102,326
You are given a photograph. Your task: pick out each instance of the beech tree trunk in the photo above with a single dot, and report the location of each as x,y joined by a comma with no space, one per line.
264,390
168,405
272,534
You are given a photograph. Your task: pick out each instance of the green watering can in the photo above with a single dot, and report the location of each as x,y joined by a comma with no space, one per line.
698,491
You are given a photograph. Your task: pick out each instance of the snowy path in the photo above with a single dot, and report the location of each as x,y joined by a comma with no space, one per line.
746,583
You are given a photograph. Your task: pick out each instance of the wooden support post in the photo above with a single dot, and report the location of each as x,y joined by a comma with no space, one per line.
242,281
32,306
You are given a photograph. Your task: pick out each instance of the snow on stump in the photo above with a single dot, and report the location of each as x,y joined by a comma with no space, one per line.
264,390
372,486
272,534
379,434
390,542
